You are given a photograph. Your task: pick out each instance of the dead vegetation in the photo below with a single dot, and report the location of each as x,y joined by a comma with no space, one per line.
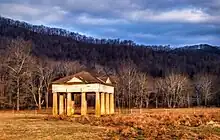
152,124
158,124
30,126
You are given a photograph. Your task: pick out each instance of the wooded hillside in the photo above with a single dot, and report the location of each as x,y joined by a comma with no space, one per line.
159,76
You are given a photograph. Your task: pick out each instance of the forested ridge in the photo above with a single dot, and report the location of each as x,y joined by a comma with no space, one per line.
60,44
159,76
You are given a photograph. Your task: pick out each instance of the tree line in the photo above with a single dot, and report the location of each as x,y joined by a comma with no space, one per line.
25,78
146,76
136,89
151,59
27,81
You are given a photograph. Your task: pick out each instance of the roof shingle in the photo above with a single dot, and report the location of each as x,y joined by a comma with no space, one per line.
84,76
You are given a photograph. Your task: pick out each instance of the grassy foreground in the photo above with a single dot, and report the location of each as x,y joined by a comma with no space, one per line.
151,124
28,126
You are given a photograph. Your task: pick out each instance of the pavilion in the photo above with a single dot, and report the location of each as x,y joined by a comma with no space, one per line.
82,83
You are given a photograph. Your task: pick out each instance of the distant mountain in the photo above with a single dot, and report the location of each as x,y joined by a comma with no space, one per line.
60,44
61,32
202,47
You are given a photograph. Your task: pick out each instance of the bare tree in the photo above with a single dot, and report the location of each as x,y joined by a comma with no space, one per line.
49,75
118,94
143,93
161,90
32,86
69,67
36,80
18,58
100,69
204,85
3,80
158,92
127,74
173,87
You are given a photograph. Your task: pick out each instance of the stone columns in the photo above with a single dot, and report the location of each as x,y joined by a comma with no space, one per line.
83,104
107,103
102,103
69,104
61,106
65,103
112,106
97,104
55,111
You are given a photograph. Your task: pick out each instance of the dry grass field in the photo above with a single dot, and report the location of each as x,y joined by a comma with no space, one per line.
164,124
30,126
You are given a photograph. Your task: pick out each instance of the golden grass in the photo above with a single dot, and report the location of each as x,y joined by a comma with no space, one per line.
186,123
28,126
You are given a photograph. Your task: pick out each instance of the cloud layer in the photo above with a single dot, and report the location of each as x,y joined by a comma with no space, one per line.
144,21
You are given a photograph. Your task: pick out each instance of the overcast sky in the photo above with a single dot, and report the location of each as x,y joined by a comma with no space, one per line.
173,22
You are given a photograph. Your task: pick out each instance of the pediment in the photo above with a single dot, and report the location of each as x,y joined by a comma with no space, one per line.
75,80
108,81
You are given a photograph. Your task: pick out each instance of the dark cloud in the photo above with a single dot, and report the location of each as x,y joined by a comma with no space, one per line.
144,21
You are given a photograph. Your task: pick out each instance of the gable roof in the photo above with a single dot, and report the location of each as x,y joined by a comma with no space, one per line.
84,76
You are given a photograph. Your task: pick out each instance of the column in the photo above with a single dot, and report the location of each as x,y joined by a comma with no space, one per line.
65,103
61,111
55,111
107,103
102,103
69,104
73,107
83,104
97,104
112,104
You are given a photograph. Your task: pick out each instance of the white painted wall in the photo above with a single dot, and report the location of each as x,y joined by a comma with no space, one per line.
82,88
